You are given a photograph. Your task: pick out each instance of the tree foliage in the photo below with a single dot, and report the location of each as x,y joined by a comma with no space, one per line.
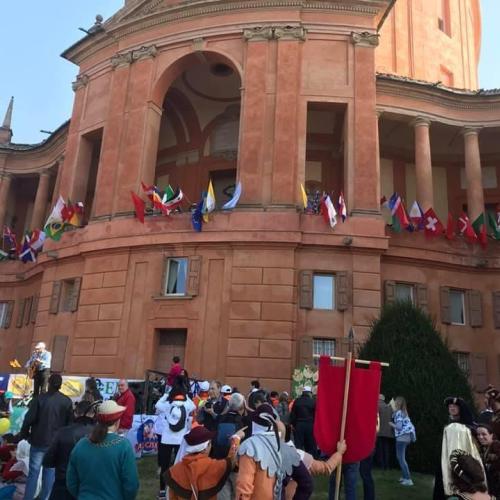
422,370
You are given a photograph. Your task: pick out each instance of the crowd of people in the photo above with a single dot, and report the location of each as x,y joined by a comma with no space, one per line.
217,442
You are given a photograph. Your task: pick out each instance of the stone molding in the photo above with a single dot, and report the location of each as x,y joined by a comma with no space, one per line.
470,130
420,121
265,33
80,82
365,39
126,58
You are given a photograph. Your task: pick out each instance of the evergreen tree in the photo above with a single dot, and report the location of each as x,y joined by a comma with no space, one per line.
422,370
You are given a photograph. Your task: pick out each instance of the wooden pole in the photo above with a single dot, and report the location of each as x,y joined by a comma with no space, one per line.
344,417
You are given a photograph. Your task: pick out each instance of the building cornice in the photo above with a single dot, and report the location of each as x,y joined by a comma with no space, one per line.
151,13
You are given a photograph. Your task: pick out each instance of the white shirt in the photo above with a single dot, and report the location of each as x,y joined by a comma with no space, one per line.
168,436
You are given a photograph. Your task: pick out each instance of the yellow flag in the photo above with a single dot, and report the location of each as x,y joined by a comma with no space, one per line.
209,204
304,195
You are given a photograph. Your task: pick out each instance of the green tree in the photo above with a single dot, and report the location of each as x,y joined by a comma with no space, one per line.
422,370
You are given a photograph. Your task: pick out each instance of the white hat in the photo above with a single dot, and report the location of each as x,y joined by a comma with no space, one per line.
307,388
204,386
109,411
226,389
40,345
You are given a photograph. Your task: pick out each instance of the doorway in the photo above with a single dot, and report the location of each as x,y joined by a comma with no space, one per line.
171,342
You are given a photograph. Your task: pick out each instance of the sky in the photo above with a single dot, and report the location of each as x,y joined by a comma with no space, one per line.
33,33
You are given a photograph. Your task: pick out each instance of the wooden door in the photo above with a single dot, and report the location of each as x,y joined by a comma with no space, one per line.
171,342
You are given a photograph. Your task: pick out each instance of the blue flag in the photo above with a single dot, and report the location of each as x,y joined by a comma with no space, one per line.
197,216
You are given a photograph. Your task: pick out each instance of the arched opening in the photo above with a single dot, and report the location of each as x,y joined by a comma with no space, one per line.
199,131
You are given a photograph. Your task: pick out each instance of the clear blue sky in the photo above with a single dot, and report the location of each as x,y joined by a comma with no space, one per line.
35,32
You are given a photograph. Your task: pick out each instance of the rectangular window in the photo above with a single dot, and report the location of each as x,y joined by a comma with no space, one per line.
323,347
324,291
4,306
405,292
67,294
463,361
176,279
457,307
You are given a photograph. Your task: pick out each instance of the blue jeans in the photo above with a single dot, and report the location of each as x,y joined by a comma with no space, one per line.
365,471
401,456
349,479
48,475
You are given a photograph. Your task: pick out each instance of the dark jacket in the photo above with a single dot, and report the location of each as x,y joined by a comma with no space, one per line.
46,415
57,456
228,424
385,416
303,409
206,419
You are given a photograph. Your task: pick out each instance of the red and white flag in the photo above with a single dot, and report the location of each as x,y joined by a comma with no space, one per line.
465,228
328,211
342,208
432,224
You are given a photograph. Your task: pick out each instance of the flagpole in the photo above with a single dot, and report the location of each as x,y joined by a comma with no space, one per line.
344,409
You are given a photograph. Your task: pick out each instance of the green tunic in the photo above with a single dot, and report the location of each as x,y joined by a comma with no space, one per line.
104,471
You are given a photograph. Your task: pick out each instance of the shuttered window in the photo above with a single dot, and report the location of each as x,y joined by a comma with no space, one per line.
457,307
70,294
461,307
324,291
59,352
181,276
6,313
20,313
463,361
323,347
416,293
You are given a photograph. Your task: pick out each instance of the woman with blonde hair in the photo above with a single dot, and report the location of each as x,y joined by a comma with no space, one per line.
404,432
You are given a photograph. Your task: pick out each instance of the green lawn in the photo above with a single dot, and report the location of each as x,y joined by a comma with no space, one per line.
386,484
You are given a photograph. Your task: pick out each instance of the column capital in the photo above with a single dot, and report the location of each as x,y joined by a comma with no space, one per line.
45,173
379,112
470,130
365,39
420,121
6,175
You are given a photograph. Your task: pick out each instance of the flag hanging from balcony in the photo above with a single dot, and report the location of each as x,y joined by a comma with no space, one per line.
9,239
450,232
495,226
169,194
416,216
432,224
328,211
398,212
27,253
54,227
197,216
465,228
209,202
139,206
235,198
172,203
342,207
303,194
154,194
72,213
480,229
37,239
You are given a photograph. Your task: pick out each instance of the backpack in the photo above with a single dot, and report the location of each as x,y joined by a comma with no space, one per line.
181,423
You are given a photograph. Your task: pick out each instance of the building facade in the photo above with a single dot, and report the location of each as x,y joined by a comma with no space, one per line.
361,96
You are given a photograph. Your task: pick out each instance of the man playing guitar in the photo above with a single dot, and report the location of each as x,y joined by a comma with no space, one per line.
39,368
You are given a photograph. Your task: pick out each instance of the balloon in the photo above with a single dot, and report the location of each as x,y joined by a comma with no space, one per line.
4,426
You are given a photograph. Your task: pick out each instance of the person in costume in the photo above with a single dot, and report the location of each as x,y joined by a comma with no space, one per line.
456,435
197,475
263,461
467,477
494,404
490,454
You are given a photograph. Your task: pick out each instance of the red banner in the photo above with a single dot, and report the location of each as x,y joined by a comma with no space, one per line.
362,409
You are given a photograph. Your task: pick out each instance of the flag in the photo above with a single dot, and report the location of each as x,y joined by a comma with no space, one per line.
384,202
328,211
398,212
342,207
77,214
9,238
14,363
304,195
234,200
432,224
139,205
450,233
3,255
154,194
480,229
54,227
168,194
174,202
495,226
209,203
27,254
417,216
465,228
197,216
362,409
37,239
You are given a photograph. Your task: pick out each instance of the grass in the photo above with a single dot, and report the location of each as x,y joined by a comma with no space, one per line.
386,484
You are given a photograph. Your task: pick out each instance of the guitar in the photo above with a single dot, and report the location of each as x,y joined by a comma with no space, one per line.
33,368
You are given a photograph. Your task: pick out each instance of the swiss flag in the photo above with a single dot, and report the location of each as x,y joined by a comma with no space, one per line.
432,224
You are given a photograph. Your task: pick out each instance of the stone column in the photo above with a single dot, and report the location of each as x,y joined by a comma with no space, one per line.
475,198
4,197
42,194
423,163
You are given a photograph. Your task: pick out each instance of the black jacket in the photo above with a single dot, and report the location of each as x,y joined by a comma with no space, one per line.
65,439
227,424
46,415
303,410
